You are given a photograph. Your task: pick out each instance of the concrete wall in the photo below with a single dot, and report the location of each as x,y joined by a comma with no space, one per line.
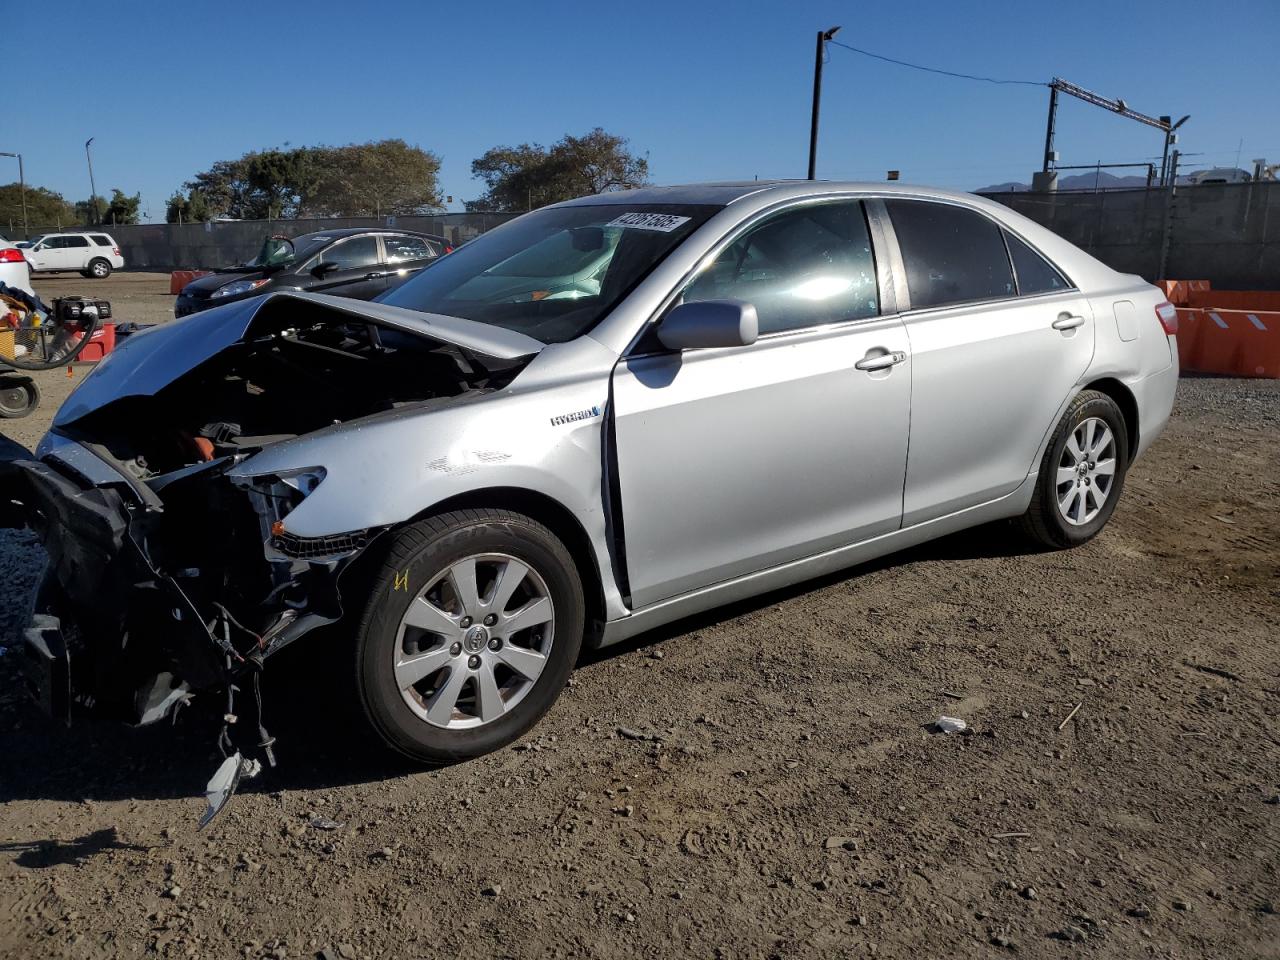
1228,234
168,246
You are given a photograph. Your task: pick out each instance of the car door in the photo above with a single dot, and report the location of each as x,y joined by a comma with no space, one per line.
405,255
733,460
352,267
74,253
44,255
993,360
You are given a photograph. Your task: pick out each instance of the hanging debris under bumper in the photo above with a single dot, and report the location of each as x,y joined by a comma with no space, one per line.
154,591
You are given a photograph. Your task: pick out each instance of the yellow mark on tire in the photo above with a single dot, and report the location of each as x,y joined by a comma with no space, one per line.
402,581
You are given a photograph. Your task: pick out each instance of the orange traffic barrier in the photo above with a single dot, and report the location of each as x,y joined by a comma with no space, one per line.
1240,343
1180,292
180,278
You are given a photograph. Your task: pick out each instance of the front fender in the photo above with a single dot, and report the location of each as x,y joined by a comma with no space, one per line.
385,470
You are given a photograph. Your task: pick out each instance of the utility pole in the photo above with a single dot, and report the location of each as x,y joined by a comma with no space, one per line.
1169,140
93,190
1048,134
823,37
22,189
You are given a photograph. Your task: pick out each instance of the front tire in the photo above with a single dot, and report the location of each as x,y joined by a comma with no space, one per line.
1082,474
471,630
98,269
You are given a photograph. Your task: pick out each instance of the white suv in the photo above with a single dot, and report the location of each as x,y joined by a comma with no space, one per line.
92,254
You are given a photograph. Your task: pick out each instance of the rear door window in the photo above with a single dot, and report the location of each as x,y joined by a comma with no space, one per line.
352,254
1034,273
802,268
952,255
75,242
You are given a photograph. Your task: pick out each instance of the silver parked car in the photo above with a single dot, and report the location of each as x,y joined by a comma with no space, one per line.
600,417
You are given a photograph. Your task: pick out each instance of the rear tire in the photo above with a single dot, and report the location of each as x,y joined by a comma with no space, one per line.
446,675
1081,476
98,269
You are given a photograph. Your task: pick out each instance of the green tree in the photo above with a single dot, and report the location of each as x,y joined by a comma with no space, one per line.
89,212
381,178
44,208
191,208
261,185
122,208
530,175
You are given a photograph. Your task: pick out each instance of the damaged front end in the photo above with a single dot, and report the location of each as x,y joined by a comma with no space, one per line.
172,570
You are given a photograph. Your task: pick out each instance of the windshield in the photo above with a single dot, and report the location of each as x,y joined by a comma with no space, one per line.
280,251
555,273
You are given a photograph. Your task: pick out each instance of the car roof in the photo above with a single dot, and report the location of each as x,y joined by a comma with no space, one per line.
342,232
727,192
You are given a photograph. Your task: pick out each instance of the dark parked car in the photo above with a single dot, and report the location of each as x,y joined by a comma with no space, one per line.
355,262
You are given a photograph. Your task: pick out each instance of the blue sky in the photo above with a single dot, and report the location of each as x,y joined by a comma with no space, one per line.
708,90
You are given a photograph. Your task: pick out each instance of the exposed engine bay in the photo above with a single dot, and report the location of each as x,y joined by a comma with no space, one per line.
168,576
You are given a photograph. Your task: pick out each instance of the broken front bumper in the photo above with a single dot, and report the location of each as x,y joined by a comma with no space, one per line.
144,590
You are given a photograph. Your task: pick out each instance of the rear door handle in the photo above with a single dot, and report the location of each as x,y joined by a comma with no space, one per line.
1068,321
882,361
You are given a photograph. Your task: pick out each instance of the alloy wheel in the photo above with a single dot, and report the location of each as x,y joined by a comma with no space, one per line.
1086,471
474,641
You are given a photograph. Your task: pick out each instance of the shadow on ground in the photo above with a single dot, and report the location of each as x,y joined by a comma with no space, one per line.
321,738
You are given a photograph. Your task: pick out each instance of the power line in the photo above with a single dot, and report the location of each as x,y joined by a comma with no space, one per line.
945,73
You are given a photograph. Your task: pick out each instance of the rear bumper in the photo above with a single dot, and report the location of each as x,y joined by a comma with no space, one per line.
1155,395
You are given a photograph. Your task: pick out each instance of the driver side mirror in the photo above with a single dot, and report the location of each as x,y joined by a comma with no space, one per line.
709,323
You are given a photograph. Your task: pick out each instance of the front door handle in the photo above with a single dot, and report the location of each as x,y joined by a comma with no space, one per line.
1067,321
881,361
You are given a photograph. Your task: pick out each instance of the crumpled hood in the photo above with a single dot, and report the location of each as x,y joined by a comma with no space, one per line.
149,361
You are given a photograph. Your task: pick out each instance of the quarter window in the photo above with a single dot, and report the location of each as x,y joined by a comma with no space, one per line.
803,268
1035,274
102,241
352,254
952,255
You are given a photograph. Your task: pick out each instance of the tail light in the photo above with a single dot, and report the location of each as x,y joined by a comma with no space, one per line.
448,249
11,255
116,251
1167,314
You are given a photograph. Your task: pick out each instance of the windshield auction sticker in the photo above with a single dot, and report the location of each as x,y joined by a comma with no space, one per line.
662,222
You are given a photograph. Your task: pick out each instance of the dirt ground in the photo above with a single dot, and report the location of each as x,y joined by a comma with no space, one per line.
757,782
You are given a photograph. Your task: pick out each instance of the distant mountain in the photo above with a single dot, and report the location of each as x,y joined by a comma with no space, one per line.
1078,181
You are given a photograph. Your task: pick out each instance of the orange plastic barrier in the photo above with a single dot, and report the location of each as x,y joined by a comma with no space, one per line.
180,278
1240,343
1180,292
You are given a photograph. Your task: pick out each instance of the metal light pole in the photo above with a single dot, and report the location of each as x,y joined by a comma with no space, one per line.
93,190
22,188
823,37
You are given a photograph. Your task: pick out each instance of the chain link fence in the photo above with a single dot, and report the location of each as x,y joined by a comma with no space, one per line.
1227,233
195,246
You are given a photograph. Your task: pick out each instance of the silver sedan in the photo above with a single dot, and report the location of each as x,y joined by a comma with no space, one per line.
600,417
